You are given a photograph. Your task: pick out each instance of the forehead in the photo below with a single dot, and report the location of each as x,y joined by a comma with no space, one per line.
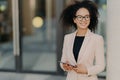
82,11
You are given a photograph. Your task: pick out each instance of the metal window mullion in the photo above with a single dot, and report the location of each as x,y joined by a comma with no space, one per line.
15,19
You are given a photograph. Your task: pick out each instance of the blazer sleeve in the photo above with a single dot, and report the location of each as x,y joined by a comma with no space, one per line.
99,58
64,51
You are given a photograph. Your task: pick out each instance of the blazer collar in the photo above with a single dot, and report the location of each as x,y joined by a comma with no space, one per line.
88,33
84,44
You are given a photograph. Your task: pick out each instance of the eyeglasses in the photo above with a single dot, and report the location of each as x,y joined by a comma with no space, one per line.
80,18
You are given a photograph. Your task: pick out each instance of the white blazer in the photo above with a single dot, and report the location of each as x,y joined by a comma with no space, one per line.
91,55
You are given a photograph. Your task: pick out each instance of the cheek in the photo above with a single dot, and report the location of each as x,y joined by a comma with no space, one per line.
88,23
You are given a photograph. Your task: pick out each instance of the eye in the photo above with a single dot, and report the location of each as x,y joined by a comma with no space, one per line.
79,17
87,16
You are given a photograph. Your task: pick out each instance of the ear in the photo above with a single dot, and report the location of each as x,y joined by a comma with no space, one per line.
74,20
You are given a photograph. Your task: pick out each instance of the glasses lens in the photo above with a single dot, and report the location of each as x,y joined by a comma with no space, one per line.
86,17
80,18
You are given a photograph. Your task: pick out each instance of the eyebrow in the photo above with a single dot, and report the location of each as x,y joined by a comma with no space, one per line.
84,15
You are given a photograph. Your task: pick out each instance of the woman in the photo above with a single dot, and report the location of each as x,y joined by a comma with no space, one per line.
83,50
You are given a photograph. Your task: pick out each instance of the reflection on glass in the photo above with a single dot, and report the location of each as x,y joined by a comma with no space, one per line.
39,39
6,36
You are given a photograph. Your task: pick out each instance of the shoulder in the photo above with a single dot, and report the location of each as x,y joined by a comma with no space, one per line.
97,37
69,35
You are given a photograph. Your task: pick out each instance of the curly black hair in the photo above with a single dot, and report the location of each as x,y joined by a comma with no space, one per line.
69,13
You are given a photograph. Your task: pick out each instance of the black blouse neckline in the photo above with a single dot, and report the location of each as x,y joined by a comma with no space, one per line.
79,36
77,45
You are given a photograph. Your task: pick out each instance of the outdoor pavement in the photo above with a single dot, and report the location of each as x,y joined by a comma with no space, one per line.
26,76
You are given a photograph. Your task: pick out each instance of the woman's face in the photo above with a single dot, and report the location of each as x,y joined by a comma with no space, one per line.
82,19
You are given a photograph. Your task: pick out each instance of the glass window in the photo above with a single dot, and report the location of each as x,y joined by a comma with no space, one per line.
38,35
102,25
7,60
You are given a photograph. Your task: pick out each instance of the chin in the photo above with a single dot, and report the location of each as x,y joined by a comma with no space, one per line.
83,28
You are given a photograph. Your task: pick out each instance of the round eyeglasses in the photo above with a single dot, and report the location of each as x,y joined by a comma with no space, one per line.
80,18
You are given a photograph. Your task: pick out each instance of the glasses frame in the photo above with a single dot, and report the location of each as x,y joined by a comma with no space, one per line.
80,17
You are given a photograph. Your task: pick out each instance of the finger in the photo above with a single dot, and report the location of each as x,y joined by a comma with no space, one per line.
75,66
75,69
65,64
70,68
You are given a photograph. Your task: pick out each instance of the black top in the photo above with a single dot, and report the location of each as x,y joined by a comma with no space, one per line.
77,45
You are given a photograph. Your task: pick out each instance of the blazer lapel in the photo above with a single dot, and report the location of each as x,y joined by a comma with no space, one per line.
71,46
84,45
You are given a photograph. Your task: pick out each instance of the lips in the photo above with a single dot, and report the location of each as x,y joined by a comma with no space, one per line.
83,24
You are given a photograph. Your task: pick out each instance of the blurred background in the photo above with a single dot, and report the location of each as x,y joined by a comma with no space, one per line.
31,36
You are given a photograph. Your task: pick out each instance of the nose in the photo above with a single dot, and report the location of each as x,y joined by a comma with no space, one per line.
83,19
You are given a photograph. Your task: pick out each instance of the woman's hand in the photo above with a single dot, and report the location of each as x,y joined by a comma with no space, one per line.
67,67
81,69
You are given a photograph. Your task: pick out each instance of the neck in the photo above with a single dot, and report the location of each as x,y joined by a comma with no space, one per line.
81,32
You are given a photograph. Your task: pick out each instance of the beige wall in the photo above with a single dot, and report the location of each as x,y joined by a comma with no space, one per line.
113,40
